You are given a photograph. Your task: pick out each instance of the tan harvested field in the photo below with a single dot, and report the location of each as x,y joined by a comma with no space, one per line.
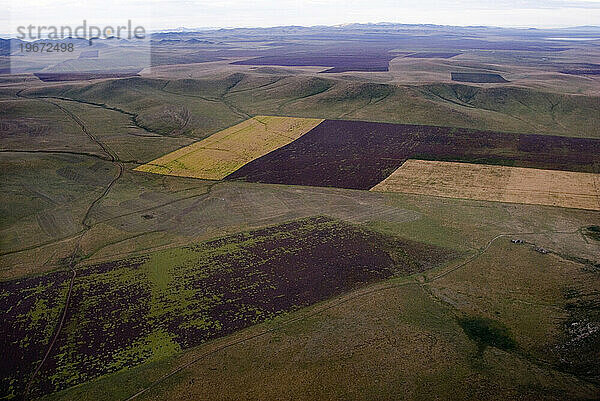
495,183
224,152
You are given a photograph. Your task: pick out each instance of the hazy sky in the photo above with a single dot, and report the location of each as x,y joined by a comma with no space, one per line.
159,14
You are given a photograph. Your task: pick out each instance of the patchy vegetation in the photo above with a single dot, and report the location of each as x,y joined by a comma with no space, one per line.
579,350
131,311
30,309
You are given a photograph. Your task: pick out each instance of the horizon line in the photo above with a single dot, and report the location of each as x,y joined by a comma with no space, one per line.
179,29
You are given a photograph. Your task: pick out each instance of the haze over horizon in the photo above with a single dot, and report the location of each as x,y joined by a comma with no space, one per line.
269,13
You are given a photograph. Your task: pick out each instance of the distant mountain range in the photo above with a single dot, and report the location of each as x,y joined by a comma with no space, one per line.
374,25
184,31
211,36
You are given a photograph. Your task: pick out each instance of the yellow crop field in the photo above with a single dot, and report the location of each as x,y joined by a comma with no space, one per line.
495,183
222,153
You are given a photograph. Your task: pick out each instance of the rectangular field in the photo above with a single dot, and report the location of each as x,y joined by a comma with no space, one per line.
434,55
373,61
359,154
224,152
495,183
478,77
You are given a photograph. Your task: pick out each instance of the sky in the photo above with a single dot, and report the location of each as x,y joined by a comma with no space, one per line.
164,14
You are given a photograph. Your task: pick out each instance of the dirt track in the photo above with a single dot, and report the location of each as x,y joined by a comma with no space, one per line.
330,305
73,259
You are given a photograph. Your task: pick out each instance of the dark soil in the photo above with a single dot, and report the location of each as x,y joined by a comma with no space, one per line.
338,63
478,77
359,155
434,55
124,312
82,76
27,325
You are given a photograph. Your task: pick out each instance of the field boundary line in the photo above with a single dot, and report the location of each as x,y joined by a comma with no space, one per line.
343,300
334,303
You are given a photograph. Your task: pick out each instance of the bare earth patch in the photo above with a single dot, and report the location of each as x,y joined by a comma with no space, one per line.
226,151
495,183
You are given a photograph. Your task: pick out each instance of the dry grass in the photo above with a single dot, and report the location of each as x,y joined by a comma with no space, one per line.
398,343
224,152
495,183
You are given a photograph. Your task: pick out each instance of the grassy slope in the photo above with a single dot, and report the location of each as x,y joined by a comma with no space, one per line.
216,104
44,198
529,292
118,132
155,107
413,322
58,170
30,124
52,210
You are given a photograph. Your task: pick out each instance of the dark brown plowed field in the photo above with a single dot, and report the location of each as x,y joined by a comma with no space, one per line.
339,63
478,77
358,155
29,309
589,71
130,311
83,76
576,68
434,55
